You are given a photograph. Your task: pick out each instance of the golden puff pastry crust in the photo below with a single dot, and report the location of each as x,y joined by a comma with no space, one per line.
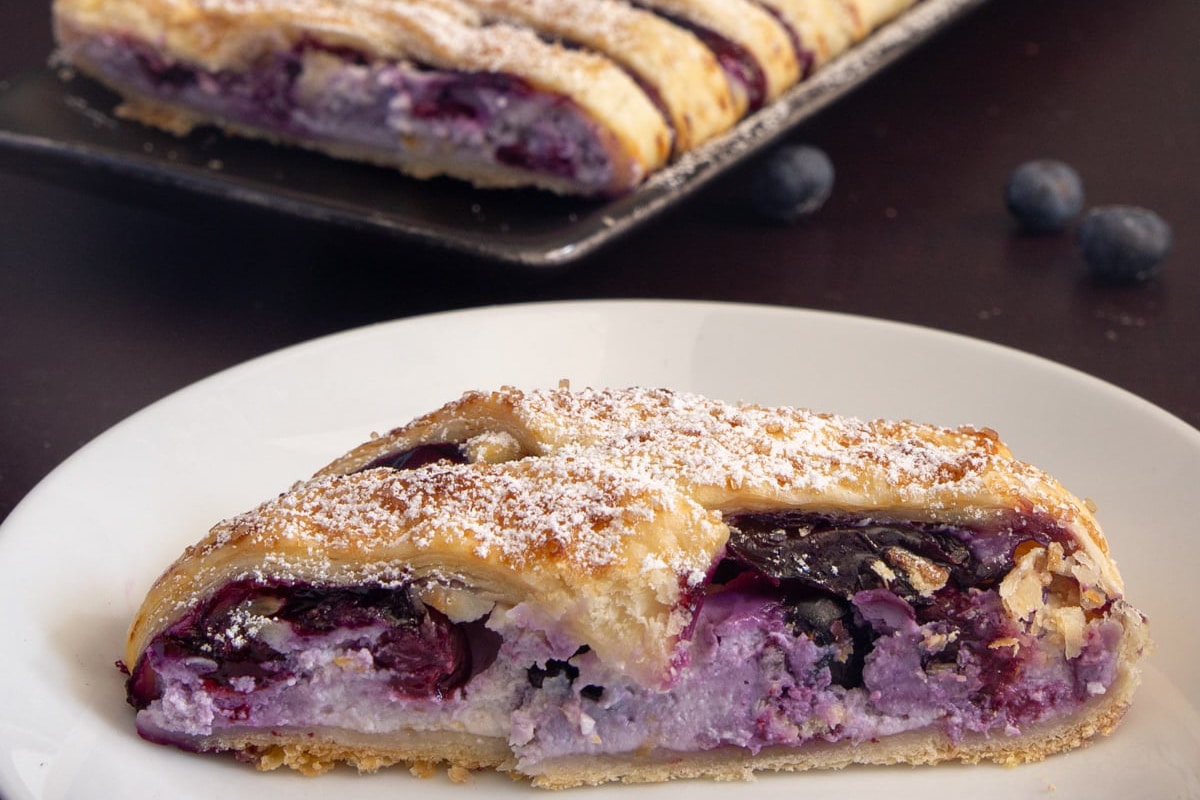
672,64
582,586
827,28
747,457
603,557
756,48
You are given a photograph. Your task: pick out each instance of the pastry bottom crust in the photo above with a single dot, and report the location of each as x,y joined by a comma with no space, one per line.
315,751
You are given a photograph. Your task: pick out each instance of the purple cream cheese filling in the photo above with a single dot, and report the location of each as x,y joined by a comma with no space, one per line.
770,660
400,110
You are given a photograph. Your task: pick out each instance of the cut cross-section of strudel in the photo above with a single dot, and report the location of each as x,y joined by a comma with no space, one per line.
641,585
422,85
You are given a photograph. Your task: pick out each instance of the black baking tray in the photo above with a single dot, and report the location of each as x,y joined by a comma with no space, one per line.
53,114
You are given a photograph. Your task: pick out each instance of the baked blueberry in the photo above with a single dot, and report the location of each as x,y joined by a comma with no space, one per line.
794,181
1124,244
1044,195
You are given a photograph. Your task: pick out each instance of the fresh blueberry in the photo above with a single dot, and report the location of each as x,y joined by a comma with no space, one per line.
1044,195
1124,244
794,181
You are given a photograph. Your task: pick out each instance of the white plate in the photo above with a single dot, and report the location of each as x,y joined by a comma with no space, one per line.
78,554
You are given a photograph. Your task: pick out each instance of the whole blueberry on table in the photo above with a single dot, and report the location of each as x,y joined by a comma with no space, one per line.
794,181
1044,195
1124,244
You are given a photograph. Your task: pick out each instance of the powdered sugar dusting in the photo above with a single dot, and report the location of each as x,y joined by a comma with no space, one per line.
696,441
569,512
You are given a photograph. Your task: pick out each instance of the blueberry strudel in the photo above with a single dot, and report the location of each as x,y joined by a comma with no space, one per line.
423,85
639,585
583,97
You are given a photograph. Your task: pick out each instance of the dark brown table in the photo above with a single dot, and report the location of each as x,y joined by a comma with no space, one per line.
115,292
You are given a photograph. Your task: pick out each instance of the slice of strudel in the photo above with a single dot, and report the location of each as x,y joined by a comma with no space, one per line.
639,585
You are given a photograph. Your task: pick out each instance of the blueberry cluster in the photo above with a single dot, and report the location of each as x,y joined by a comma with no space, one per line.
1121,244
